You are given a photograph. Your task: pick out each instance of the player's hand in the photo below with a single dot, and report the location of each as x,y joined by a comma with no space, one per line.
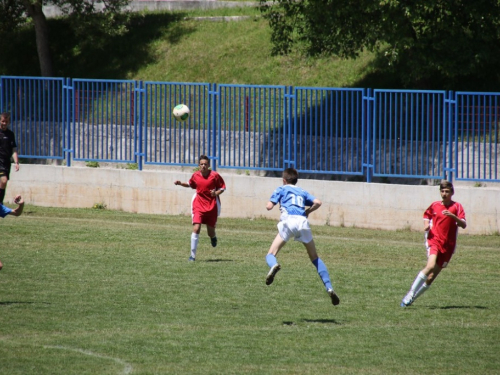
18,199
447,213
177,182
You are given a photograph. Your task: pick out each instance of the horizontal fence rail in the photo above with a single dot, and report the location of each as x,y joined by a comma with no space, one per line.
329,131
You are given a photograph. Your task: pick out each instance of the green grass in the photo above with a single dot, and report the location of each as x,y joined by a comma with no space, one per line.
103,292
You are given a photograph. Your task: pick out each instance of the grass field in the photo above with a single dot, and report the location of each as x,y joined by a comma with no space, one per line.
103,292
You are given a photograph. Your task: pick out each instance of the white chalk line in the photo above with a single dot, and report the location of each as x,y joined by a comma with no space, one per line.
127,367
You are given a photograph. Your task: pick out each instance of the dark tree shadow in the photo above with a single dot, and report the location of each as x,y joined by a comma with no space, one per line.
322,321
385,76
457,307
94,55
20,303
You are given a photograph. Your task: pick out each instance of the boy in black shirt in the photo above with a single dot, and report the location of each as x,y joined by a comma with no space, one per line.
8,150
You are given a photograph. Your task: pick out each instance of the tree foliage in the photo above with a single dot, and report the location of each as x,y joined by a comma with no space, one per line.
103,16
420,39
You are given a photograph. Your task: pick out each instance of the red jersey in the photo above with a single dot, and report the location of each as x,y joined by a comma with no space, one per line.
444,229
203,201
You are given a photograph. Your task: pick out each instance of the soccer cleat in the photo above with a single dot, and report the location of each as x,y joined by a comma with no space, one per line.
407,300
213,240
272,272
334,297
191,259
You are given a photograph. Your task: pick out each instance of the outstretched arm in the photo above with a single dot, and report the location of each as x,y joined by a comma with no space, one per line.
183,184
20,206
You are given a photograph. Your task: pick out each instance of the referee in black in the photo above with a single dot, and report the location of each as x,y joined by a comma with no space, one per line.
8,150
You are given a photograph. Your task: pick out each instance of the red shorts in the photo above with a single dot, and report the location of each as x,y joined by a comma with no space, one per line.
209,218
444,253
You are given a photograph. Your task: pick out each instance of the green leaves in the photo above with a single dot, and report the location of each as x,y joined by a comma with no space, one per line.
421,39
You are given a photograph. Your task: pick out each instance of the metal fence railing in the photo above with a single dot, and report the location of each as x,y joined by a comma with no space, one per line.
337,131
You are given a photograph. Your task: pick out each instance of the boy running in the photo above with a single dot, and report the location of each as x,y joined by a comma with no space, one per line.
205,205
294,224
441,222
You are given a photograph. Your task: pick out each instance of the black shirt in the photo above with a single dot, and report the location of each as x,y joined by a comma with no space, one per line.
7,146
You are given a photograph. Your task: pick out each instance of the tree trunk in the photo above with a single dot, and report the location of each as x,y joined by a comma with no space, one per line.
34,10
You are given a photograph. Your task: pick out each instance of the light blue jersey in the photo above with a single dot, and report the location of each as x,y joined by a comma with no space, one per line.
292,199
4,210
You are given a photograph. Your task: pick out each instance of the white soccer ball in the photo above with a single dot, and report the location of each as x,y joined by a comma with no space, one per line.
181,112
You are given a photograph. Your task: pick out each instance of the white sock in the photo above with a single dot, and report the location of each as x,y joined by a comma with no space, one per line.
421,291
419,281
194,244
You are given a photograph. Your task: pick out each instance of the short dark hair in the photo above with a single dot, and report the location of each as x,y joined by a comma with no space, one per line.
203,157
445,184
6,115
291,175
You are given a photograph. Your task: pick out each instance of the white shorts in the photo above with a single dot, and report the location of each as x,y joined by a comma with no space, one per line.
296,227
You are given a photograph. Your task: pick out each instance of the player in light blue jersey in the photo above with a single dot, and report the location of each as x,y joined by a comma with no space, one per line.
4,211
295,204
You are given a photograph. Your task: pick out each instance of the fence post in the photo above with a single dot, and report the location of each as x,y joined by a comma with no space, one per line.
367,124
213,125
451,125
69,109
290,130
247,119
139,123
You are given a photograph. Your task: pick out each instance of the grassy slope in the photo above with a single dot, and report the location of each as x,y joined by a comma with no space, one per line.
241,55
168,47
165,46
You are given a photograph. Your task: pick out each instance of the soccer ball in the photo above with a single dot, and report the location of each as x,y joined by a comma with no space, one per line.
181,112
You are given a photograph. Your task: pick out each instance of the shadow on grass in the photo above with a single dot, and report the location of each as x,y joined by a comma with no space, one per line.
384,76
457,307
322,321
20,303
217,260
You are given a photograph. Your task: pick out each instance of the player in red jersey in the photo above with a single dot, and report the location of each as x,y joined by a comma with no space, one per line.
205,205
441,222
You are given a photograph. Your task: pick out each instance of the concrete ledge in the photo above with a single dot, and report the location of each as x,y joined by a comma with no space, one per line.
152,6
363,205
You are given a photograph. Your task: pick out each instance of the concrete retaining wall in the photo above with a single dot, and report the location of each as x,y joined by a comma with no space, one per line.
152,6
384,206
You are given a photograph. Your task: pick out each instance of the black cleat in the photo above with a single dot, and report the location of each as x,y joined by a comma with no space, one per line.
334,297
272,272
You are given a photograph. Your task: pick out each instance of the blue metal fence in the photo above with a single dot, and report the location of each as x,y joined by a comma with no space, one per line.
362,132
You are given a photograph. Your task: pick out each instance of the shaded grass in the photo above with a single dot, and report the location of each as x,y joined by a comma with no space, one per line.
96,291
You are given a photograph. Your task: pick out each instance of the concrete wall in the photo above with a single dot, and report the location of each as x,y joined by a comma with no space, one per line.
384,206
152,6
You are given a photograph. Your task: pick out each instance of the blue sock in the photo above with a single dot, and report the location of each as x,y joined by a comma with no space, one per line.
323,273
271,260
